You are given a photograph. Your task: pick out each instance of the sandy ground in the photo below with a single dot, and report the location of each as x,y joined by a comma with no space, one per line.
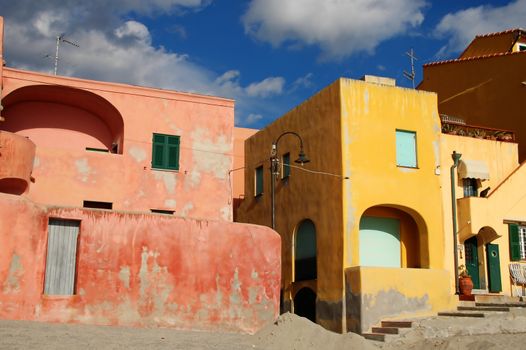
290,332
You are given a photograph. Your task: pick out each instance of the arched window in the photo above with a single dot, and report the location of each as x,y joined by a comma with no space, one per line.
305,252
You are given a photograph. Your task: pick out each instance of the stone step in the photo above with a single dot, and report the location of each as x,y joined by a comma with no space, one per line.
386,330
483,308
397,324
496,299
462,314
375,336
515,304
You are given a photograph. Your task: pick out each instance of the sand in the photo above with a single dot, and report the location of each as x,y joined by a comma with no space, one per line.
289,332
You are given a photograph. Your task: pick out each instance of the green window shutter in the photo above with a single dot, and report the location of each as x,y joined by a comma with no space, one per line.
515,246
173,152
259,180
165,151
286,165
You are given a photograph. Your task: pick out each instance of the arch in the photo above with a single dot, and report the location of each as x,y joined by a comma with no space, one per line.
305,265
305,303
63,117
393,236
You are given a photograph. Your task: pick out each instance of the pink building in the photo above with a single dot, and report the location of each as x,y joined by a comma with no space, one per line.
116,208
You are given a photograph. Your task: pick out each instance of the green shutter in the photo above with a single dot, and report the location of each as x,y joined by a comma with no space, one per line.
515,246
259,180
173,152
286,165
165,151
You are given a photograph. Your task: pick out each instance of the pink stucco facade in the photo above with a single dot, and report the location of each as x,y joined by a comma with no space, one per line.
141,270
65,117
67,142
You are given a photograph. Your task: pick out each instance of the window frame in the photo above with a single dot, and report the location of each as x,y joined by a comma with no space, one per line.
399,162
166,148
258,184
517,241
521,47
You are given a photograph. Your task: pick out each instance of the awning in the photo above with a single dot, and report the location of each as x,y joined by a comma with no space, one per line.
475,169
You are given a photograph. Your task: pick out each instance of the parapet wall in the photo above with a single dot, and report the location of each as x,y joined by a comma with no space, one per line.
141,270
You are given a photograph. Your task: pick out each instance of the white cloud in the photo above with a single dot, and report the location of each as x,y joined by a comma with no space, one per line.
339,27
267,87
133,29
304,81
462,26
252,119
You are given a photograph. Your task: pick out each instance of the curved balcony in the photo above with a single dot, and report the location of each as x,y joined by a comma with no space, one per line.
16,163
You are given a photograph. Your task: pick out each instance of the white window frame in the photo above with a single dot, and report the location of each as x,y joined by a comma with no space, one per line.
522,241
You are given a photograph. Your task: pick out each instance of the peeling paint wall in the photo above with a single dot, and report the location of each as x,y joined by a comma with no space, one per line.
67,174
141,270
374,294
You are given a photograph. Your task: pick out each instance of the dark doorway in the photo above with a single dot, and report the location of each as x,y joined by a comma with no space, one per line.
305,252
472,260
305,304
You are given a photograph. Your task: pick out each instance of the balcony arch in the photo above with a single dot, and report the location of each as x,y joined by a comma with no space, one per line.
63,117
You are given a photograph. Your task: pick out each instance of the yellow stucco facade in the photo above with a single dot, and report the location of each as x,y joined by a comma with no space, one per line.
484,219
350,131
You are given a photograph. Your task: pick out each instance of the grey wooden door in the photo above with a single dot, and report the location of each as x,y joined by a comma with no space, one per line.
61,257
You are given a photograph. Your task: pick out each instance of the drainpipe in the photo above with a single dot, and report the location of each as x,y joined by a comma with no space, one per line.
456,157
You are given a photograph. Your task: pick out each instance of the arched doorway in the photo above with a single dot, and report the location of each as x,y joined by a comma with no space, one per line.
391,237
305,304
305,267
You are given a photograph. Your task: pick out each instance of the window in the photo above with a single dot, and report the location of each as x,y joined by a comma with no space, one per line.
61,258
521,47
285,170
259,180
97,205
517,242
162,211
470,187
165,152
406,148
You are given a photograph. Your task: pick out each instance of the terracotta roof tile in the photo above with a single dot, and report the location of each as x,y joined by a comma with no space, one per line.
473,58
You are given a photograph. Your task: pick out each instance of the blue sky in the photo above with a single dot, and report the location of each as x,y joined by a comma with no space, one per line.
268,55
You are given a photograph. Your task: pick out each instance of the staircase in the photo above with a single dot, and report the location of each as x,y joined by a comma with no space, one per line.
482,306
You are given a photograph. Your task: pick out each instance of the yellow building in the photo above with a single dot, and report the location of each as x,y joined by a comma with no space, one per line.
490,188
486,84
361,223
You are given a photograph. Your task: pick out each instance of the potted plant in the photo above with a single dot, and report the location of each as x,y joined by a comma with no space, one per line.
465,282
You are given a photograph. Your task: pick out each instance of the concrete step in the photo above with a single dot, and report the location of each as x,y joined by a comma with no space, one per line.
462,314
398,324
376,336
515,304
484,308
496,299
386,330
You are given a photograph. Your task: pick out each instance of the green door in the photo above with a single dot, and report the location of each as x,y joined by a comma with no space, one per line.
492,253
472,260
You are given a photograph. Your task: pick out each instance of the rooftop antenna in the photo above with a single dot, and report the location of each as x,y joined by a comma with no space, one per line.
411,76
60,38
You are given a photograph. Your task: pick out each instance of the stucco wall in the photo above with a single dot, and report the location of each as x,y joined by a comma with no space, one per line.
16,163
475,213
375,294
67,174
484,91
371,114
141,270
304,195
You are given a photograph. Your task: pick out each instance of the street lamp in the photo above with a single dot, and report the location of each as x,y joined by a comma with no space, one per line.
274,169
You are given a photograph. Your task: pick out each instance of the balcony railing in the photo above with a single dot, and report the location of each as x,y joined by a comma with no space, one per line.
457,126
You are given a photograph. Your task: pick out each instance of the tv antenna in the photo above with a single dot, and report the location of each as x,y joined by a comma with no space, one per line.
61,39
411,76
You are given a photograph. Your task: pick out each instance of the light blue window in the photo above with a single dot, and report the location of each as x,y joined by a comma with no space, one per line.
406,148
379,242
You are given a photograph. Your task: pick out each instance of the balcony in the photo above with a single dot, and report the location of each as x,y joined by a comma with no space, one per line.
456,126
16,163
